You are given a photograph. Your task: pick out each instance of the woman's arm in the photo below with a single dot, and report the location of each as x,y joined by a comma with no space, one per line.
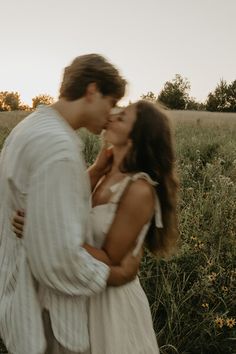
99,254
101,166
134,211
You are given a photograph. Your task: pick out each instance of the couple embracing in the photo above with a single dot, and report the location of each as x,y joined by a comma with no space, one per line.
68,279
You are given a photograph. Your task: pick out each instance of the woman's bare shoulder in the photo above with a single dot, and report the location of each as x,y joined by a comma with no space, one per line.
139,192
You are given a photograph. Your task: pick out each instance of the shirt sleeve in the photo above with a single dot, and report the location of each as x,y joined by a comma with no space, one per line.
55,227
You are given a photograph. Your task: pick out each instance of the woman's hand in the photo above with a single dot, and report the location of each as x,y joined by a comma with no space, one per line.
127,271
101,166
18,221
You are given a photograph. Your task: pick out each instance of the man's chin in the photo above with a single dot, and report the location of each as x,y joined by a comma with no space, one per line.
102,130
96,131
99,131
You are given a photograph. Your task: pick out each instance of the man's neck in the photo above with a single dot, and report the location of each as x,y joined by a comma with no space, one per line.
70,111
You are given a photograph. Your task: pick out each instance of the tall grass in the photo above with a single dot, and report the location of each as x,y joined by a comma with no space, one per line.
192,296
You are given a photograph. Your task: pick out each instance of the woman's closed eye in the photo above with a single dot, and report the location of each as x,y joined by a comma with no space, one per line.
121,116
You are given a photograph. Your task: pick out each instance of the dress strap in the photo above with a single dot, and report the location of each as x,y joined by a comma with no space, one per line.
119,188
144,175
158,213
117,191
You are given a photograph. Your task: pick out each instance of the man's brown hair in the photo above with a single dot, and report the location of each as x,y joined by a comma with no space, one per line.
91,68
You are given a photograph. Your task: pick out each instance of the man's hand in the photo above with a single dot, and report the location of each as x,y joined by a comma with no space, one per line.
127,271
18,221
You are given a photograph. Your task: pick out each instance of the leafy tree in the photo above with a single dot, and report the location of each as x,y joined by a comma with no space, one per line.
150,96
232,96
3,106
9,101
223,98
42,99
193,105
24,107
175,94
217,100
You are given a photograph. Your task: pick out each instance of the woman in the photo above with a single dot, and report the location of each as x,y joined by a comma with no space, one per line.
134,203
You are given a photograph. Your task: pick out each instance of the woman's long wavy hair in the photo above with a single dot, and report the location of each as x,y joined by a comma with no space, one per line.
152,152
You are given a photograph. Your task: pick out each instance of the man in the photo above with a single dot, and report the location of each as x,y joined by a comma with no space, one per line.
43,172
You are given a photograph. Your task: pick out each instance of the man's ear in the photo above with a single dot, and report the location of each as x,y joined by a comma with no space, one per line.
91,90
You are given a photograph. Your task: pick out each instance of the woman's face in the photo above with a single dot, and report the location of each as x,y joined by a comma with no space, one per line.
120,126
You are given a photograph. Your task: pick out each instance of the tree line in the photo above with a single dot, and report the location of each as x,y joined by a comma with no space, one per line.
174,95
11,101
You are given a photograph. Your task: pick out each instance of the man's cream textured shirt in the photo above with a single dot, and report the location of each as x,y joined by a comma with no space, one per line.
42,171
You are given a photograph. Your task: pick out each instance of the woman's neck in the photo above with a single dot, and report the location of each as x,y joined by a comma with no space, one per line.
119,154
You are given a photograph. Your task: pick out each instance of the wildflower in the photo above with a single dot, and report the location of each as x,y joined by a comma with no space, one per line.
219,321
212,277
224,289
188,166
226,181
221,161
199,245
205,195
208,165
210,262
230,322
205,305
233,275
193,238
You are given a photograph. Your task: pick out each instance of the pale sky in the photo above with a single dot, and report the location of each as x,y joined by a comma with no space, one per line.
149,41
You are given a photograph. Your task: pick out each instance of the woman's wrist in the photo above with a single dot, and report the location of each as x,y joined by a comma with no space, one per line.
117,276
94,174
95,171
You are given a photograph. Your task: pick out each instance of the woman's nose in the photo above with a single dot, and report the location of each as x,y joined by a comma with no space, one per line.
111,118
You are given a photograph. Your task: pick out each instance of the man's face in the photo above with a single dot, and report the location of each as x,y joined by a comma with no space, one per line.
99,112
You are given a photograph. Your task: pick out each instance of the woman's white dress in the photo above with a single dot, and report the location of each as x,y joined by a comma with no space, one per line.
120,320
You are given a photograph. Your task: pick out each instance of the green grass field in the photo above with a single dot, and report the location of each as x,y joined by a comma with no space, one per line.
191,296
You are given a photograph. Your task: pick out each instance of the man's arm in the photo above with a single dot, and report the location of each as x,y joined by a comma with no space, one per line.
55,230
